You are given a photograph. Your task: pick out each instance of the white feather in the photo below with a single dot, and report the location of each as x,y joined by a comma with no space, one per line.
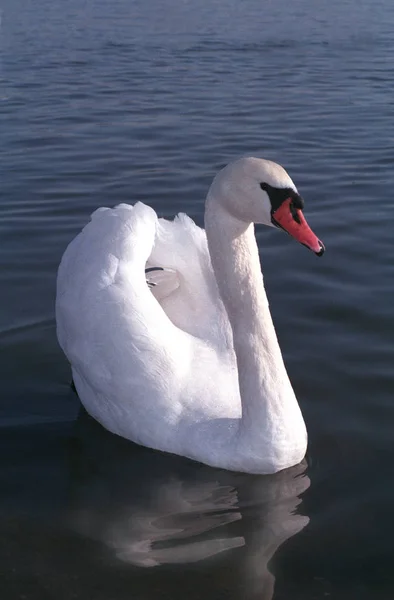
158,366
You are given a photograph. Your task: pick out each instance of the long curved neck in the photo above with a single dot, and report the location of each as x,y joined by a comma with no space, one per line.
266,393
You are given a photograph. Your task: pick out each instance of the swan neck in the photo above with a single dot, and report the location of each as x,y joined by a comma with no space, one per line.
267,397
236,263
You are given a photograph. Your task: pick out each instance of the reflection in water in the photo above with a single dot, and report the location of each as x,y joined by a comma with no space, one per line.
151,509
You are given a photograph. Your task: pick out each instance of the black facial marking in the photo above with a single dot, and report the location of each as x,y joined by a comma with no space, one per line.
278,195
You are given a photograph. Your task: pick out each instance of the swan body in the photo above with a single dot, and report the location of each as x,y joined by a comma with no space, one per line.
185,358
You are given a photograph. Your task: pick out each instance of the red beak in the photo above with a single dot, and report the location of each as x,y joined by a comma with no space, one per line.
292,220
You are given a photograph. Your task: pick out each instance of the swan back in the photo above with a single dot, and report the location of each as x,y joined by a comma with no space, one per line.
194,305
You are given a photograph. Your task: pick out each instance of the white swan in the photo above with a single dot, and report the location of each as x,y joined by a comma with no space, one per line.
192,365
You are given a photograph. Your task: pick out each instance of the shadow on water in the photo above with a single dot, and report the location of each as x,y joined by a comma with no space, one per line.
116,520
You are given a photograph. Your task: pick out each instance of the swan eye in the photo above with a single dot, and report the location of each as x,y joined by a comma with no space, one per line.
264,186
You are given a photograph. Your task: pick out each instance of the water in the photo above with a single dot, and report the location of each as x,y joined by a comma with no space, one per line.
107,102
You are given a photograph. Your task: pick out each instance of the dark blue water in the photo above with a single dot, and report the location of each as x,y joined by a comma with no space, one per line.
108,102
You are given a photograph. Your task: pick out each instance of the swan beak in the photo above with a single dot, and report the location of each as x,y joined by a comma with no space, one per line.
292,220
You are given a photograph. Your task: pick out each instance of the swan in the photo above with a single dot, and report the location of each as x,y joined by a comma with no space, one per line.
168,330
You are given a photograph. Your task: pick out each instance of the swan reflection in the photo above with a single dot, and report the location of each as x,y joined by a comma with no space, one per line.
151,509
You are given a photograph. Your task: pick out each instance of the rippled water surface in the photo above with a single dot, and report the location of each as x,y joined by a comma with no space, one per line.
108,102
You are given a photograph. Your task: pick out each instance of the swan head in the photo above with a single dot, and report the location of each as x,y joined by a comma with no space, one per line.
254,190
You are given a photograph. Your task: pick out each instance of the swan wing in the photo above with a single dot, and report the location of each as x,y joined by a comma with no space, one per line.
134,357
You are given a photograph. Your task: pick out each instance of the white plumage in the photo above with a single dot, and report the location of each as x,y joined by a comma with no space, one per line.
158,365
